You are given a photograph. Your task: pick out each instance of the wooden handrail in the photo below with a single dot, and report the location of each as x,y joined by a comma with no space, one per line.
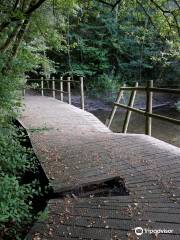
29,87
149,89
153,89
165,90
153,115
61,90
56,80
133,88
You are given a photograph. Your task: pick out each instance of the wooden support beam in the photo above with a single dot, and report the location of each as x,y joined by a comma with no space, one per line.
24,91
69,90
149,95
61,89
53,88
82,92
42,86
128,113
153,115
120,95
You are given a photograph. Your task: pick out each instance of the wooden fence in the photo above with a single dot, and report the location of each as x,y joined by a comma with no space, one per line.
60,82
149,89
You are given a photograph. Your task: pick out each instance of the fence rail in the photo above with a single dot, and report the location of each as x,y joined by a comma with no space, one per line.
153,89
61,82
149,89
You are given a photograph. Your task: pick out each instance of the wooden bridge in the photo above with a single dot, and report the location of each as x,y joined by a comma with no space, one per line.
119,181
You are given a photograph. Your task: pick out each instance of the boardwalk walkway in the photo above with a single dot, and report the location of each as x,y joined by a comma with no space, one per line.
75,148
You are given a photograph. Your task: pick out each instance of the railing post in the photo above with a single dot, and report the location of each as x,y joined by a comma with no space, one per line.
61,89
128,113
115,107
24,90
53,87
149,96
69,89
82,92
48,81
42,86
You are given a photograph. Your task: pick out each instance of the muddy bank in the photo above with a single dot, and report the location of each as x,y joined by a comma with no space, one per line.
104,102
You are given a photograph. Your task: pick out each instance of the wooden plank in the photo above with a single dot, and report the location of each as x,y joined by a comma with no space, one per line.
75,148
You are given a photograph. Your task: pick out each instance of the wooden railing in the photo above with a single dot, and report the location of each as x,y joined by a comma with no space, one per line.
61,83
149,89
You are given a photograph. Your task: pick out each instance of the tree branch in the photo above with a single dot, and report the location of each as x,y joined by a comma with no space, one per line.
19,38
16,5
117,2
177,24
159,7
106,3
30,10
164,12
109,4
10,39
4,25
34,7
147,14
177,4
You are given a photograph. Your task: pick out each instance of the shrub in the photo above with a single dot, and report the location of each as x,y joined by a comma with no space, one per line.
14,207
16,196
13,157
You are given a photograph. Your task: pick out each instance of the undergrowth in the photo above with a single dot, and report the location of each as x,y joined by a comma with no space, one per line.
17,192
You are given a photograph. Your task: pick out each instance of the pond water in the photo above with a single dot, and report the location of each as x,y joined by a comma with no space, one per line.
165,131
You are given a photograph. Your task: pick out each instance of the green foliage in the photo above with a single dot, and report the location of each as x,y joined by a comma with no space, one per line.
43,215
13,200
16,196
113,47
13,158
9,98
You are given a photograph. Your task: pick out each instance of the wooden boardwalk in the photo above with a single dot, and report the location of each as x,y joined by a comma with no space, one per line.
75,148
